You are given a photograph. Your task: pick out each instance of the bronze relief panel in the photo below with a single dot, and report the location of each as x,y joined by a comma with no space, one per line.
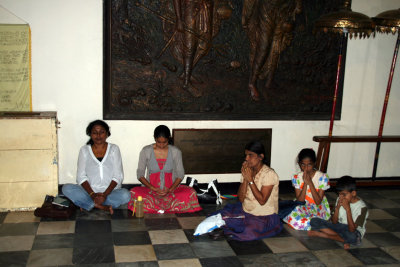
221,59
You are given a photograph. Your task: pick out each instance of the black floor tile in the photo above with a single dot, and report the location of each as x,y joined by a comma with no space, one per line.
249,247
14,258
394,211
104,254
131,238
369,194
7,229
200,238
94,214
91,226
299,259
372,256
316,243
221,262
383,239
150,216
390,193
389,225
122,214
212,249
174,251
162,224
128,225
283,233
370,203
71,218
138,264
53,241
270,260
93,240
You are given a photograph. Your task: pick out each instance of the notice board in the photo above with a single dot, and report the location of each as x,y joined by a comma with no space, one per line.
15,68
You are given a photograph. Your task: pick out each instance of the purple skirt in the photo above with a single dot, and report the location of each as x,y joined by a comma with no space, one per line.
244,226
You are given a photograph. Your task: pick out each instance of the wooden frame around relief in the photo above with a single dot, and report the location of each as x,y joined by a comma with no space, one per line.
140,85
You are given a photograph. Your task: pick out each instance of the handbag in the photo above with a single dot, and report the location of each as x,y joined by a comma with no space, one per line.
210,195
50,210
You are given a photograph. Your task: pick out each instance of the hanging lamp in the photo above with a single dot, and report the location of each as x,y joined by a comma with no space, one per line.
344,22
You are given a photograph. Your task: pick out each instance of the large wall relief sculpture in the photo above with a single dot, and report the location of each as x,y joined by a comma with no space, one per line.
221,59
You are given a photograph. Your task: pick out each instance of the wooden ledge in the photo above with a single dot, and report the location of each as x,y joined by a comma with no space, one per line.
371,183
27,114
357,139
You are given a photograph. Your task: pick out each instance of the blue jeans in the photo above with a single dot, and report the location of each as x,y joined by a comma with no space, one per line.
81,198
353,238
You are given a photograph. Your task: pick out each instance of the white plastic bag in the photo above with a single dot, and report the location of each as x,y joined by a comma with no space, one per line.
209,224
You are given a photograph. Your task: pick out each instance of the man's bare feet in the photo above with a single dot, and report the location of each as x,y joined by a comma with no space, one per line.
105,208
346,246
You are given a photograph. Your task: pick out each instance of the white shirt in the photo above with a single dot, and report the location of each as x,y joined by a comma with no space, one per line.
359,213
99,174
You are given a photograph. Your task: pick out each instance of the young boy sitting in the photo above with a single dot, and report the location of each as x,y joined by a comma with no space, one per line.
348,221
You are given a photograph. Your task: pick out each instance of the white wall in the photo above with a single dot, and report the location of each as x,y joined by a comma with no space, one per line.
67,77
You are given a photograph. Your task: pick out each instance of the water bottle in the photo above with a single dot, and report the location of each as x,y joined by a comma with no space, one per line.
139,207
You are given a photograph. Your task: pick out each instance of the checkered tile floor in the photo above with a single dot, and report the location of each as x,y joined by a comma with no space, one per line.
98,239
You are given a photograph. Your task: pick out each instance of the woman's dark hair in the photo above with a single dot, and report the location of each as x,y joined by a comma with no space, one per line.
258,148
307,153
346,183
90,127
162,131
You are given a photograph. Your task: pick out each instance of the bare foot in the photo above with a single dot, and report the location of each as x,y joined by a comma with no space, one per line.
312,233
254,92
317,234
105,208
346,246
111,210
192,90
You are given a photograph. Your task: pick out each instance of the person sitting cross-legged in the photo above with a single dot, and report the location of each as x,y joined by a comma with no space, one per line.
347,224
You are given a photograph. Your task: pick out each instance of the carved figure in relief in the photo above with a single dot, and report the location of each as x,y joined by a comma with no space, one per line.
269,26
197,22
